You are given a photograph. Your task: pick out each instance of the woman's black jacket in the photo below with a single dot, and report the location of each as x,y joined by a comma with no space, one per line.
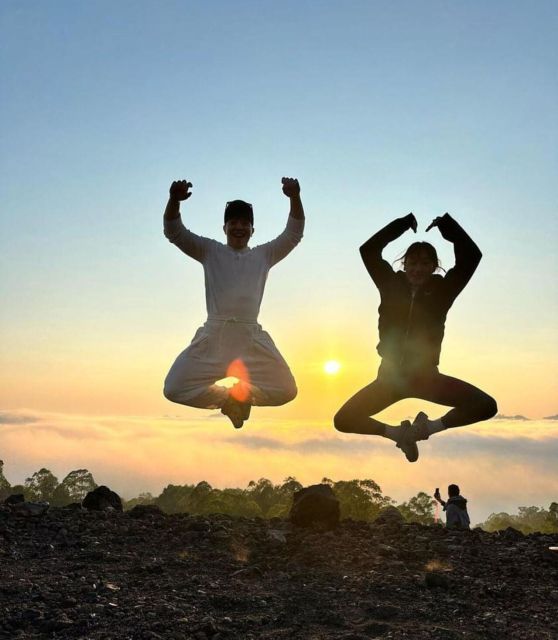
411,324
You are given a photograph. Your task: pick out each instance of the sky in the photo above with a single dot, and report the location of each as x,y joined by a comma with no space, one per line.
378,109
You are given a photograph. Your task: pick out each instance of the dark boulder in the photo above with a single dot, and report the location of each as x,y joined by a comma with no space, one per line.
73,506
145,510
102,499
511,534
29,509
316,504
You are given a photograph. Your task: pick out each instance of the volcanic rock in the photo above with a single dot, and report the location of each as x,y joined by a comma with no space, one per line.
29,509
316,504
79,574
145,511
101,499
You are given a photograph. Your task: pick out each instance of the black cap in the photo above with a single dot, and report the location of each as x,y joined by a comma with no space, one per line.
239,209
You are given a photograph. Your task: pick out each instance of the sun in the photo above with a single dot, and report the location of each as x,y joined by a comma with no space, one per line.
332,367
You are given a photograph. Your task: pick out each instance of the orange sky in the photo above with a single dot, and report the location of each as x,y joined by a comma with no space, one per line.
81,375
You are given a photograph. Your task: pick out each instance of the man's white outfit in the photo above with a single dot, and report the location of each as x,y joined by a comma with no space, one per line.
234,286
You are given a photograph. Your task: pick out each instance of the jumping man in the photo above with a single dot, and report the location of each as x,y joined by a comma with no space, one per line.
231,342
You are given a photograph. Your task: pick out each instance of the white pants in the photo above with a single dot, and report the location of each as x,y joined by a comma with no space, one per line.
191,379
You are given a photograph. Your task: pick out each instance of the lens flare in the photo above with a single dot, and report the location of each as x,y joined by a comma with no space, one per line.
227,382
241,390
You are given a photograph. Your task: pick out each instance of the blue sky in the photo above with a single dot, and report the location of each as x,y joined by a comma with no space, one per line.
378,108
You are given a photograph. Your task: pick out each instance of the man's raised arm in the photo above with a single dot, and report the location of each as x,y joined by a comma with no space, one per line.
188,242
286,241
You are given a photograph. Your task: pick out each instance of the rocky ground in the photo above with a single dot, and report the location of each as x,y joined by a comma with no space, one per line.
71,573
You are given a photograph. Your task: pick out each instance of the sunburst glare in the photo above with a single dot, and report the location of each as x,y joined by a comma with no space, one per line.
332,367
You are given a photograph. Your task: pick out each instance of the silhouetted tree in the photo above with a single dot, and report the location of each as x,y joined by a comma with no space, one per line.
420,508
41,485
4,484
143,498
198,497
263,493
174,498
232,502
60,496
289,486
359,499
75,486
498,521
5,488
532,519
527,520
260,498
553,515
78,484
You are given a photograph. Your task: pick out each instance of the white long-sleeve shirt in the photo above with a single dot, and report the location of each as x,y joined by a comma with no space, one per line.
234,280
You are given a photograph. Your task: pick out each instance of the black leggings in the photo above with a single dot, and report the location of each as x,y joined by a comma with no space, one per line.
469,403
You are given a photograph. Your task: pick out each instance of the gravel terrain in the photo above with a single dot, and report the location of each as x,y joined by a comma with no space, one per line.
72,573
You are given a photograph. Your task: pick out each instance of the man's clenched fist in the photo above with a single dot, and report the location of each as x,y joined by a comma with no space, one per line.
179,190
291,188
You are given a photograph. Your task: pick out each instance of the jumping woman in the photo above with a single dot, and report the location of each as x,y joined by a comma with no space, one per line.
412,314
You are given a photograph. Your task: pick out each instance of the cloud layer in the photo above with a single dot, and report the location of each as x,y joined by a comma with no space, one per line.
499,465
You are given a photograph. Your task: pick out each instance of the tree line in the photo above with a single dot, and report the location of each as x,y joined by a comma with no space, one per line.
359,500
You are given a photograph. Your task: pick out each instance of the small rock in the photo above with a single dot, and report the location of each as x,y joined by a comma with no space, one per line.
434,579
277,536
386,550
248,572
